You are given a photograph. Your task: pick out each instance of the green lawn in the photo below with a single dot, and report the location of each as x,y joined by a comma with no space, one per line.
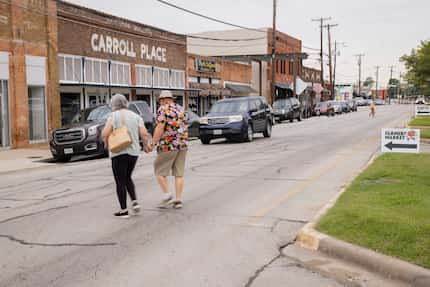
420,121
425,133
387,208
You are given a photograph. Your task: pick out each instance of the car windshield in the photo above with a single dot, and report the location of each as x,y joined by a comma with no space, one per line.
99,114
281,103
230,107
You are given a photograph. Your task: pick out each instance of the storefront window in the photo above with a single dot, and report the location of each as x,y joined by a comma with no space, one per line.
4,114
70,68
145,98
70,107
161,78
120,74
143,76
37,113
204,80
96,71
177,79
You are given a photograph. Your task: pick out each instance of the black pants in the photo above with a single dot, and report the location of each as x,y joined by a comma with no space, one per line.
123,166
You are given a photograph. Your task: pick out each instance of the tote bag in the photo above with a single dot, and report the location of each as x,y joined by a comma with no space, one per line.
120,138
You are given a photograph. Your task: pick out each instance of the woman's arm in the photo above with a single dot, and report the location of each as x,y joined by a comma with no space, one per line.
107,130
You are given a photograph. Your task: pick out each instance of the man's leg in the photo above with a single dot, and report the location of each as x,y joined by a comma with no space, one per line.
179,186
162,181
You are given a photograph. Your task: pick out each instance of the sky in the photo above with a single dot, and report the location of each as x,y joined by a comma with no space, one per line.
383,30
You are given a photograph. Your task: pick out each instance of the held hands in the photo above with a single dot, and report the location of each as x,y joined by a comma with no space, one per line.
148,148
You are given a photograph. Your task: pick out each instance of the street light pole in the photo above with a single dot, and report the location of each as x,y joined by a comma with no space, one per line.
274,52
391,77
335,59
377,78
359,72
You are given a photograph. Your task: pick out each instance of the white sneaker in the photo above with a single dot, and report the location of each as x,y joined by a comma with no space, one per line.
166,203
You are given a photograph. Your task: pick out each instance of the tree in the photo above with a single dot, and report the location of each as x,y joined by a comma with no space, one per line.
393,87
418,67
368,83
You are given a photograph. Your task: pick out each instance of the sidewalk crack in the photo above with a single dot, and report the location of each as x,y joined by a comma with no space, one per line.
260,270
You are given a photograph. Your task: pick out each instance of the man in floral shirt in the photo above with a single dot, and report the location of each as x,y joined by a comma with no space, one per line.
170,139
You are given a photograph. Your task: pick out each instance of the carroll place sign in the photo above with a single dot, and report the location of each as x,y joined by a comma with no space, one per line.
400,140
114,46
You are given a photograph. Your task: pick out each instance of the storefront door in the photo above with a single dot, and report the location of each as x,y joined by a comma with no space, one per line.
4,115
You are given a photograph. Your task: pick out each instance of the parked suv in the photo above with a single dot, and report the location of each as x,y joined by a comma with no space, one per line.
84,137
287,109
237,119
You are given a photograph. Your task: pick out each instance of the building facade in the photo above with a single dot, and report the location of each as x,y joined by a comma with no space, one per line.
28,72
215,79
101,55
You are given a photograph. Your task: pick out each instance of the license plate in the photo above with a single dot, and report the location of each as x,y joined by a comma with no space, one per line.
68,150
217,132
277,118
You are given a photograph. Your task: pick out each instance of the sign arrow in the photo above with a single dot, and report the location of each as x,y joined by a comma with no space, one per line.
391,146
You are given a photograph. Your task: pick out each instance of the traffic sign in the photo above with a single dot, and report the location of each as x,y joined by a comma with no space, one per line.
400,140
422,111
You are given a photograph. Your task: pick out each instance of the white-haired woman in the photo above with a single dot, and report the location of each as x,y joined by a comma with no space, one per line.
124,162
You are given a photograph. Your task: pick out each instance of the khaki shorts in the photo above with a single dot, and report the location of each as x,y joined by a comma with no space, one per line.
170,163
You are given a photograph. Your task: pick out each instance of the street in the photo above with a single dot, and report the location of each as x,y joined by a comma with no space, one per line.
243,203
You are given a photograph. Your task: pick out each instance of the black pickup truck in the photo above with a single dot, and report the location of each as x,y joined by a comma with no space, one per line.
84,137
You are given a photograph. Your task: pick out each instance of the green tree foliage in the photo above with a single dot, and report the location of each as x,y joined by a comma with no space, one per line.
418,67
368,83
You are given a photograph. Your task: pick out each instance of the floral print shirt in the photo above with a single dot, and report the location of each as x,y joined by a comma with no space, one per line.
175,131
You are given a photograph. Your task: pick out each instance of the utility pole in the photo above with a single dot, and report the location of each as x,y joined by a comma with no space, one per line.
321,21
377,79
336,43
329,26
359,72
274,52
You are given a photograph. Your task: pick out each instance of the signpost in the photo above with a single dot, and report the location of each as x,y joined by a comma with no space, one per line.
400,140
422,111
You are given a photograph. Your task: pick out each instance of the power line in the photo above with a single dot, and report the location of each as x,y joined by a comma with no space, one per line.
208,17
224,39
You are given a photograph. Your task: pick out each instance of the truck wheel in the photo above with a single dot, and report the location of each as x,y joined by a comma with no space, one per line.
205,140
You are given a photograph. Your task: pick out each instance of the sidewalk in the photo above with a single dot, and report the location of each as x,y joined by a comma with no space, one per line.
22,159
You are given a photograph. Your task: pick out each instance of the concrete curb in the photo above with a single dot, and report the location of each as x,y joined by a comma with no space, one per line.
384,265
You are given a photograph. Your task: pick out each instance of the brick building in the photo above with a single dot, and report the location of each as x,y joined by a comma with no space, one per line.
215,79
100,55
254,49
28,72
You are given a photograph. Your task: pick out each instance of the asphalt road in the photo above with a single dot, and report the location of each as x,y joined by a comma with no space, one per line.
243,203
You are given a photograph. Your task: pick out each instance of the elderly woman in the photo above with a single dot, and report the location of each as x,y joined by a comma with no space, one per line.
123,162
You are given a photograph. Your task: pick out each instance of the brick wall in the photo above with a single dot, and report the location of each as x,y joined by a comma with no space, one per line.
28,27
225,70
